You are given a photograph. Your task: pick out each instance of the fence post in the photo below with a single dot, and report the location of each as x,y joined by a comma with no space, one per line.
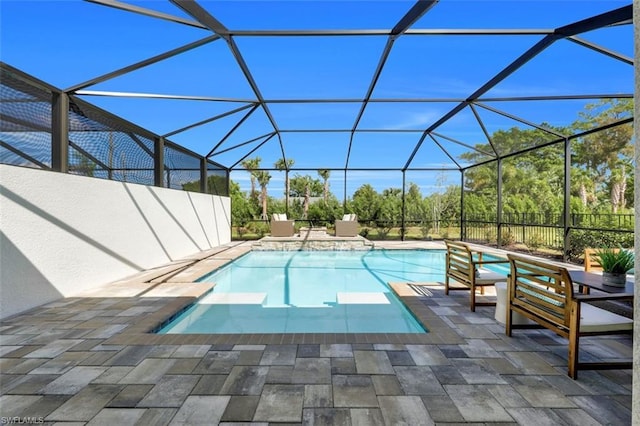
60,132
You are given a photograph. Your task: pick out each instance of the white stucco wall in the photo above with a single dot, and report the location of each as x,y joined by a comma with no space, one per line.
61,234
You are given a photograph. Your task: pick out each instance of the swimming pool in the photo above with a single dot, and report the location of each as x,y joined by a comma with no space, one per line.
311,292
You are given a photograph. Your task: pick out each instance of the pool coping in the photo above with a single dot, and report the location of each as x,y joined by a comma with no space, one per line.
177,284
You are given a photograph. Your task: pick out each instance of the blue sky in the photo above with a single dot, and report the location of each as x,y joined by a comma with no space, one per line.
68,42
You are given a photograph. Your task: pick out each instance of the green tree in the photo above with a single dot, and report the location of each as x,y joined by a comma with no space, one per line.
241,209
605,157
281,165
414,209
303,188
366,203
251,164
390,210
263,177
325,211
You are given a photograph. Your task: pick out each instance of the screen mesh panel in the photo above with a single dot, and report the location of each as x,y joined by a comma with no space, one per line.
181,169
25,121
217,180
103,146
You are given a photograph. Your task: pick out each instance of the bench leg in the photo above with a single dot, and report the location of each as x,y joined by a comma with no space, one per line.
472,301
574,340
446,285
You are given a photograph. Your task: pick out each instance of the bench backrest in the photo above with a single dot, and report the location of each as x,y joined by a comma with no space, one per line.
543,290
459,260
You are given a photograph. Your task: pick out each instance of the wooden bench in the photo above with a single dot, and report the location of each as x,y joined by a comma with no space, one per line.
463,265
544,293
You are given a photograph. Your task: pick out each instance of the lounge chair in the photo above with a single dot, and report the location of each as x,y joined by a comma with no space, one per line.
281,226
544,293
348,226
463,265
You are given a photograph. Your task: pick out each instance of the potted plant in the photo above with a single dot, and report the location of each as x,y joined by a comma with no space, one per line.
615,264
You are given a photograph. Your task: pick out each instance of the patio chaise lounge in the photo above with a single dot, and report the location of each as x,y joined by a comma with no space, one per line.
281,226
348,226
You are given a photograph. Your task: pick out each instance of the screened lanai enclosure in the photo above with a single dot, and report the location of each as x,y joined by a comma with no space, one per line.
505,123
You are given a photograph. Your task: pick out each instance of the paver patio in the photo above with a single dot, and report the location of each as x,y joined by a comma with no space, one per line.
90,360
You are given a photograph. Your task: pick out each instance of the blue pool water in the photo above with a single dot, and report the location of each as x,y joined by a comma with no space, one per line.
311,292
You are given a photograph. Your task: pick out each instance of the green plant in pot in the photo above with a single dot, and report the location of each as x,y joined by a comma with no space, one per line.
615,265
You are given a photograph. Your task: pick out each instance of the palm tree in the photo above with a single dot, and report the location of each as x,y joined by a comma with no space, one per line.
251,164
324,174
285,165
263,177
307,196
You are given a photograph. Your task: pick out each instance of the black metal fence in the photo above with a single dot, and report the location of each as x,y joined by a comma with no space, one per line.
98,143
546,231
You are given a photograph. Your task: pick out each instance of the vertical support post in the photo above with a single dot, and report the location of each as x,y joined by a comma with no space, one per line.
404,210
463,226
60,132
204,175
344,196
567,199
158,162
635,402
287,190
499,204
228,176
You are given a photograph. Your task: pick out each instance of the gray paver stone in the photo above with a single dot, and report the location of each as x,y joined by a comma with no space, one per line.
201,410
280,403
84,405
312,371
245,380
117,416
404,410
419,381
372,362
354,391
326,417
318,396
171,391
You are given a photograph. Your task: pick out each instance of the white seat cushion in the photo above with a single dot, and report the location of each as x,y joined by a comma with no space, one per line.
485,276
593,319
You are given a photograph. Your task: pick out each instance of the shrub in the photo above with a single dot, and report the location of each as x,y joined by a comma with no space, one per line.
535,241
425,229
241,230
383,232
258,228
507,238
579,240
